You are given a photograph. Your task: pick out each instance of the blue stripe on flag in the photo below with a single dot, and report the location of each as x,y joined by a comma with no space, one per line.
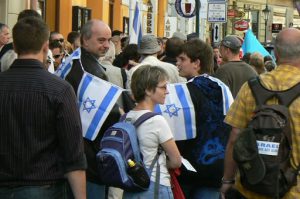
99,114
157,109
136,17
65,70
86,81
186,111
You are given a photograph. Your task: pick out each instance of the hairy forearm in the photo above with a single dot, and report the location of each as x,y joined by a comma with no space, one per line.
230,166
77,181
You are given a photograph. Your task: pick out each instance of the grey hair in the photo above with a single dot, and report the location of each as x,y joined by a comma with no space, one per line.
86,31
287,48
2,25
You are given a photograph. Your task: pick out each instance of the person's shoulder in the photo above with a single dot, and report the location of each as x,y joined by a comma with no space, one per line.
56,83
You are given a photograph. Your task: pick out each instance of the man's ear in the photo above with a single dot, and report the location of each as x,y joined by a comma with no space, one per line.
148,92
45,47
198,63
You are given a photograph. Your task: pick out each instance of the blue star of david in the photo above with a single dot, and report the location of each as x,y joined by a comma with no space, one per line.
172,110
88,105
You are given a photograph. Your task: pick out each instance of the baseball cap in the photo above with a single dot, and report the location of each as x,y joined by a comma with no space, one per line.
232,42
245,153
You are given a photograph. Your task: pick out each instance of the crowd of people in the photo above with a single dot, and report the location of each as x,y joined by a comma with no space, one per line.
42,151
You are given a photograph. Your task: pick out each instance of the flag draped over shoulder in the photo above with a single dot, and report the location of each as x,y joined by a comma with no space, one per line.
226,94
65,67
136,34
251,44
96,98
179,112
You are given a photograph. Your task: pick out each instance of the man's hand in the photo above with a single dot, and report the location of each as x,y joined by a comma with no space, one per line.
224,188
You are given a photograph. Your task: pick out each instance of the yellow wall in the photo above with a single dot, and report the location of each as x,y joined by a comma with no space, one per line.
105,11
162,7
79,3
97,7
50,14
118,18
65,17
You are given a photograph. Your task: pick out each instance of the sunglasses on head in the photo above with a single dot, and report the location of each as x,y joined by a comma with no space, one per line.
59,40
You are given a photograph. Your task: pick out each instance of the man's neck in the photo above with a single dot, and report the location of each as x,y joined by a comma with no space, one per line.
31,56
234,58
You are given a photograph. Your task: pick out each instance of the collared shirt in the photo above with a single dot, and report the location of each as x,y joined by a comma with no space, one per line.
40,127
282,78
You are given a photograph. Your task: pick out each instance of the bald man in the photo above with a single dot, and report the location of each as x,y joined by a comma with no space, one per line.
285,76
95,39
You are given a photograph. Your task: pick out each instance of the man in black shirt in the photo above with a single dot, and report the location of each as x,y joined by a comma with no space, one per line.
41,136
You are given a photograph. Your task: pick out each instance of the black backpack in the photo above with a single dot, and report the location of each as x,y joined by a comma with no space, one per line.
263,150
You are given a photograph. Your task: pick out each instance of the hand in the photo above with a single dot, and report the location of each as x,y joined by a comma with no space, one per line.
224,188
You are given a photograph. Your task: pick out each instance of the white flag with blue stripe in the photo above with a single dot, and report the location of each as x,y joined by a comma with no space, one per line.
136,34
179,112
96,98
66,67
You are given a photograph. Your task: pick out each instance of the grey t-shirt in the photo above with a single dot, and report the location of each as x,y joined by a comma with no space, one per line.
234,74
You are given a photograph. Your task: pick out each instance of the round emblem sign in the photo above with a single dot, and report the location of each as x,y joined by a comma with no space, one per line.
186,9
241,25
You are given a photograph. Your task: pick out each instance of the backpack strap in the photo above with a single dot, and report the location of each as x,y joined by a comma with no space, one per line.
157,173
123,117
262,94
143,118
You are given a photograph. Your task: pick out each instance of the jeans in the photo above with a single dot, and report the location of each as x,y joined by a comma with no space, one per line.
165,192
54,191
194,192
95,191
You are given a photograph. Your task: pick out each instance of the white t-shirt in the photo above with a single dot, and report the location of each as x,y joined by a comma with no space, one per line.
151,133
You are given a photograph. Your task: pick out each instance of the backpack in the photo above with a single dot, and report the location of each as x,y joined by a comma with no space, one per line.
118,145
262,151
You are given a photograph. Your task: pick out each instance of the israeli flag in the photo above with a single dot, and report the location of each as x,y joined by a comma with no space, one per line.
179,112
136,34
66,66
96,98
226,93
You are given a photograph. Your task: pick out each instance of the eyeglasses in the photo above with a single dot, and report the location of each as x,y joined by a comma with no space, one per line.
162,87
59,40
57,56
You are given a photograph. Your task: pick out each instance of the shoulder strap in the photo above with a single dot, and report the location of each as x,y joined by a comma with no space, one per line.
123,117
124,77
262,94
143,118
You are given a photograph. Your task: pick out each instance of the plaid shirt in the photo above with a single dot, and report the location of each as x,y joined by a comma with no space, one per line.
282,78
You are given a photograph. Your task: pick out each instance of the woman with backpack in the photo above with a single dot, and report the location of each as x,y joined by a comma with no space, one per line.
149,87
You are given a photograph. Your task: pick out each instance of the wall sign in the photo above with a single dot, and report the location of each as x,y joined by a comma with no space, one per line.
186,9
241,25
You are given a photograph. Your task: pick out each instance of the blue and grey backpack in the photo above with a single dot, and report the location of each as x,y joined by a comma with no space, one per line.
118,145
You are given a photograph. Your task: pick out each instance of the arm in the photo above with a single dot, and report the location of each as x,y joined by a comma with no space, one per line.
230,166
77,183
173,155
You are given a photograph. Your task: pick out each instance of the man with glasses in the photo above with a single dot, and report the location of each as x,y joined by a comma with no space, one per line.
57,53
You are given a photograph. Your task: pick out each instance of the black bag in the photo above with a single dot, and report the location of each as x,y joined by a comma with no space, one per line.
263,150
